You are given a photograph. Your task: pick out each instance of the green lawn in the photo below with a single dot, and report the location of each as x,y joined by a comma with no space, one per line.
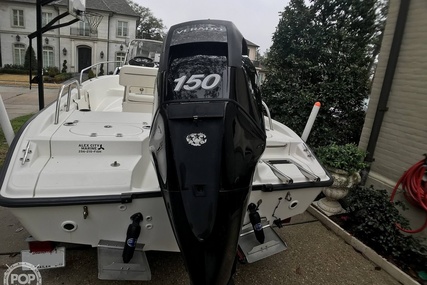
16,124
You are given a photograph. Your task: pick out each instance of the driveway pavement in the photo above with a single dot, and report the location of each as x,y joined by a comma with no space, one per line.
315,254
20,100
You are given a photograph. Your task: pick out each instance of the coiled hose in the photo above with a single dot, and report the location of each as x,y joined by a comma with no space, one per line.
415,190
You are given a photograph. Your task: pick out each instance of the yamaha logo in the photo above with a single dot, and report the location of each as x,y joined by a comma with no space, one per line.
201,27
196,139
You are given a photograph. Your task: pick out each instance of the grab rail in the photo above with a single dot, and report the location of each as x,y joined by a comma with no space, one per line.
97,66
307,173
304,171
68,84
282,176
268,115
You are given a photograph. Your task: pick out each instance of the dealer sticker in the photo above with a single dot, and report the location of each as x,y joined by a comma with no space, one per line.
90,148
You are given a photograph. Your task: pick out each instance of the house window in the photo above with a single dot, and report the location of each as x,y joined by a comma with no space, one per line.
48,56
120,56
18,54
18,18
122,29
84,28
46,18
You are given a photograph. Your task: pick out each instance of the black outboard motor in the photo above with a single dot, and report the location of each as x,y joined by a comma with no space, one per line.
206,139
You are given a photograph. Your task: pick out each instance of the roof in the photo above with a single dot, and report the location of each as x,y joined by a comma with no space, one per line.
115,6
251,43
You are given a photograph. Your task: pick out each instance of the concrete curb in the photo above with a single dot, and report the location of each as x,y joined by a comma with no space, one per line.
366,251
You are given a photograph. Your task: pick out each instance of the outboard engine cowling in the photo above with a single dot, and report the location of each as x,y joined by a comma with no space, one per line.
206,139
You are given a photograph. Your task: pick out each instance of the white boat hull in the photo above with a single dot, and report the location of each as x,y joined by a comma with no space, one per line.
103,222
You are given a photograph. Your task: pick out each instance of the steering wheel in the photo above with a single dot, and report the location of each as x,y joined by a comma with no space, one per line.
141,61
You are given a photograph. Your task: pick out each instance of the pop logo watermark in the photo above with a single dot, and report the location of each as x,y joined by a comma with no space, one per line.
14,276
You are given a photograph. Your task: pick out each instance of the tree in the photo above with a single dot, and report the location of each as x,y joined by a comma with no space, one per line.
261,58
147,26
382,9
27,61
322,52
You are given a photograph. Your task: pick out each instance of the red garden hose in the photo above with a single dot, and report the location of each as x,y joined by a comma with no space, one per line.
415,190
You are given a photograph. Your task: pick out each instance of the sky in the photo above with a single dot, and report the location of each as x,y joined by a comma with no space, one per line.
256,20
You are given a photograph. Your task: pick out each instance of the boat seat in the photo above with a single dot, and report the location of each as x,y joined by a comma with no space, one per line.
139,84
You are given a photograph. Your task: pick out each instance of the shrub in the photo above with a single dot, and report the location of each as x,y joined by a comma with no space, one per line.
47,79
64,66
91,74
372,218
347,157
13,66
101,70
33,60
14,69
61,77
52,71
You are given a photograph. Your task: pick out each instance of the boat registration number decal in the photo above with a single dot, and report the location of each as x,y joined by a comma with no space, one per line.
90,148
197,81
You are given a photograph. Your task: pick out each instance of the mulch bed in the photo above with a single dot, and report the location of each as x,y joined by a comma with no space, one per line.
345,223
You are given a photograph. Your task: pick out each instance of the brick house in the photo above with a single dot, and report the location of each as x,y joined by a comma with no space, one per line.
74,43
395,129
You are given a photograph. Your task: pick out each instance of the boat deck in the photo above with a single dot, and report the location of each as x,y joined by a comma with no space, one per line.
73,158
